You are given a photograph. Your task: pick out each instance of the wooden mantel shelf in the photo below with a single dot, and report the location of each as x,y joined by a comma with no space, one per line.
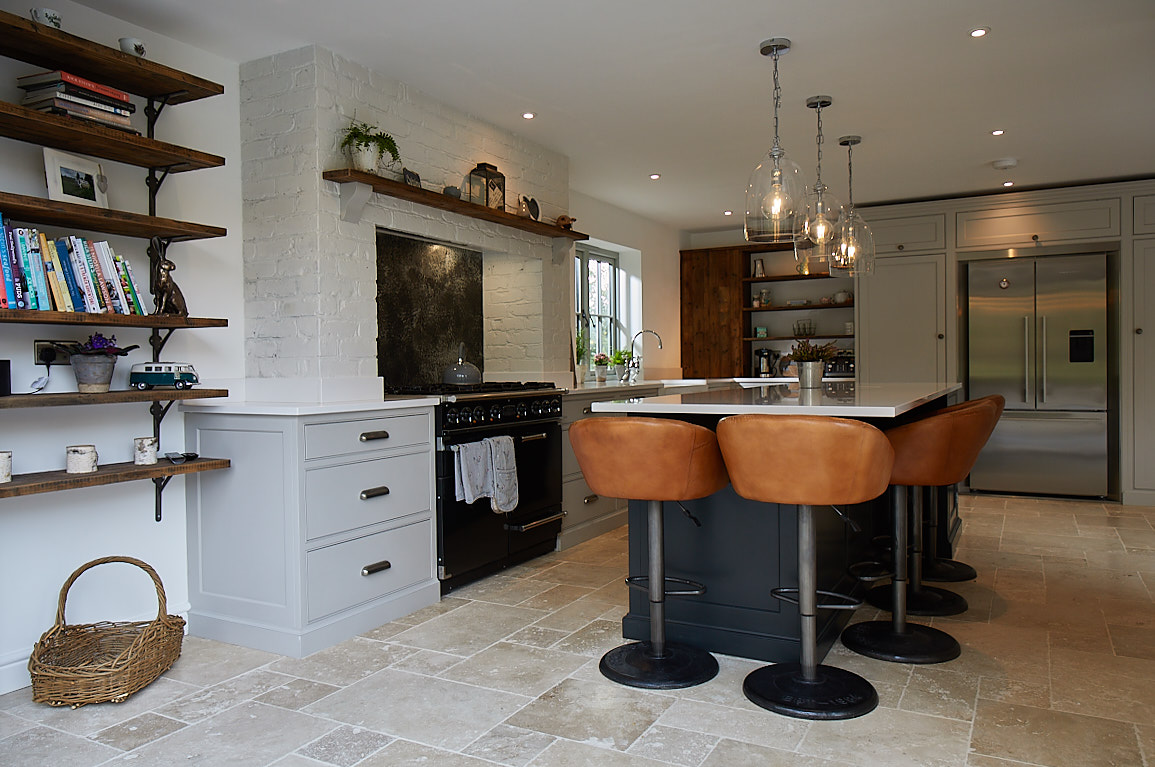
353,201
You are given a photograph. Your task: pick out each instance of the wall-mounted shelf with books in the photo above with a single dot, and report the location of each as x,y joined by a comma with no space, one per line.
106,398
351,205
39,210
107,474
790,277
160,321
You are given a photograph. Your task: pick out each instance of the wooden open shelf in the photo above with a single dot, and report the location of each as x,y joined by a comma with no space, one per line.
52,48
445,202
804,307
790,277
162,321
107,474
800,338
39,210
127,395
61,132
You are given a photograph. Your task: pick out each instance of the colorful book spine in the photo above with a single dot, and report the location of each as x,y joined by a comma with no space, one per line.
54,76
83,275
17,300
101,284
5,269
32,301
36,263
58,291
112,277
74,293
132,284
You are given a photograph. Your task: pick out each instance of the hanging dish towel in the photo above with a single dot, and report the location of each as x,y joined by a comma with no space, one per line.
504,458
472,471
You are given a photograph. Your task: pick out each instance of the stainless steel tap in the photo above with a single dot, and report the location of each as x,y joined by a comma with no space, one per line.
635,365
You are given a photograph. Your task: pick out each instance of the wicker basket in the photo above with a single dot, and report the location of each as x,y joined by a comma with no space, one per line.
99,662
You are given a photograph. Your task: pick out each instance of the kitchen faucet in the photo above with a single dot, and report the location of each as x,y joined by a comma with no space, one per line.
635,365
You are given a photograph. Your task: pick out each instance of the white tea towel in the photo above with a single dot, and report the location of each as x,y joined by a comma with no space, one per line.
504,497
472,471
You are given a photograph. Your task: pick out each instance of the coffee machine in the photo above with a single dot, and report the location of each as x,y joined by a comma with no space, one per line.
767,363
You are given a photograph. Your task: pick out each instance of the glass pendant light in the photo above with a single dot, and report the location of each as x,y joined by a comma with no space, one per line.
855,254
816,230
774,195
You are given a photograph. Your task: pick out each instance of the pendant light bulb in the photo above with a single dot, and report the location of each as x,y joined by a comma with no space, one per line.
775,191
816,230
855,253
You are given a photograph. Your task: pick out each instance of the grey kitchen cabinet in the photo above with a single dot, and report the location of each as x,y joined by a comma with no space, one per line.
324,528
1143,373
902,314
1144,210
1058,222
908,234
588,515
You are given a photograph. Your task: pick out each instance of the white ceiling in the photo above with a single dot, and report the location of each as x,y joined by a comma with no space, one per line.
629,87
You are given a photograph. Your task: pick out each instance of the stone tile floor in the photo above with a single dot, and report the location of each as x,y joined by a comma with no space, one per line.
1057,669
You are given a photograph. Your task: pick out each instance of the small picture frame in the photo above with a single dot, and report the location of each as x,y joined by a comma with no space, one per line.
411,178
76,179
759,268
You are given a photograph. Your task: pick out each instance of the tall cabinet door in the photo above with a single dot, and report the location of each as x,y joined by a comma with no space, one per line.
1142,387
712,313
902,320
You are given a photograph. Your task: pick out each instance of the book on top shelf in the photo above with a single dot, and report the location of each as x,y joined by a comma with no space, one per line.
80,106
56,76
75,93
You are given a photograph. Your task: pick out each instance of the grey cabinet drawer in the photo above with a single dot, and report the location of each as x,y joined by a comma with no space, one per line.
333,494
359,436
334,573
581,504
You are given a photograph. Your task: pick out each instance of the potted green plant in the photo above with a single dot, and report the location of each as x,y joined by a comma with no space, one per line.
367,145
811,359
619,360
93,361
581,356
601,365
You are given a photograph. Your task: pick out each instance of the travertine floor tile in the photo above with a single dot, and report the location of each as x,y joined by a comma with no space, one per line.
1103,685
204,662
40,746
516,668
137,731
10,725
731,753
95,716
402,753
566,753
674,746
209,701
503,590
594,639
512,746
468,629
602,713
344,663
893,738
1052,738
556,597
759,727
941,692
345,746
296,694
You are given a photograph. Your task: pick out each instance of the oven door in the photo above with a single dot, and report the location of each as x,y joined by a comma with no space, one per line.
472,539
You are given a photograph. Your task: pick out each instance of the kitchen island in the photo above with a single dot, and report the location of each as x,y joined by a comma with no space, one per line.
741,549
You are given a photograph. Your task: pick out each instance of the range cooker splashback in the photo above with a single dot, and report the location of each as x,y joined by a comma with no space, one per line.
429,300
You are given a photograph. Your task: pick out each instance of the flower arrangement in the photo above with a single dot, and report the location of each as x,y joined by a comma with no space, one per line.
621,357
601,359
804,351
96,344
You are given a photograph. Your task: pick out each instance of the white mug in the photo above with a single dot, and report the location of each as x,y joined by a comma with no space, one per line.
5,466
80,459
132,46
46,16
144,451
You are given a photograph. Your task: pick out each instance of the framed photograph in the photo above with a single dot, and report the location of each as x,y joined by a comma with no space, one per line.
72,178
411,178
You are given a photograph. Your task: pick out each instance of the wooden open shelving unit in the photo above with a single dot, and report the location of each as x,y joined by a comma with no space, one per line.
38,210
352,204
106,474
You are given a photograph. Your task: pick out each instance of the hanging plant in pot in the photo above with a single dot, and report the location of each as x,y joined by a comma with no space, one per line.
811,359
93,361
366,146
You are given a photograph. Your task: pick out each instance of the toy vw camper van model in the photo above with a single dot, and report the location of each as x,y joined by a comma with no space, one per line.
145,375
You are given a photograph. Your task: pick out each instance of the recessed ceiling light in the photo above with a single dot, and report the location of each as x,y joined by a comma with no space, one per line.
655,176
997,132
528,115
980,31
728,213
1008,183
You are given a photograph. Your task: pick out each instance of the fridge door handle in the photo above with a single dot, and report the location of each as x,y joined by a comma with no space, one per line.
1043,353
1026,359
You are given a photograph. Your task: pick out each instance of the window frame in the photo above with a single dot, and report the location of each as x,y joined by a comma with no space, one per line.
584,320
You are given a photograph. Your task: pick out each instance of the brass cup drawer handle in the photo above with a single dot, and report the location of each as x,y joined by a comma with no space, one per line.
369,436
376,567
590,499
374,492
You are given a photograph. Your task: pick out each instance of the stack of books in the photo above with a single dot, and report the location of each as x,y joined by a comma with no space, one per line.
66,274
66,94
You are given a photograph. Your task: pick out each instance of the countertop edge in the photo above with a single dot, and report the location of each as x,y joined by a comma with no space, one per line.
306,408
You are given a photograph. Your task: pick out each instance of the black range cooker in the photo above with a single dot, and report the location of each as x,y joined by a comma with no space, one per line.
472,539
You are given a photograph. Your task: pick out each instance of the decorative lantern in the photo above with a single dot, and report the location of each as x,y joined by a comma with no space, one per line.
485,185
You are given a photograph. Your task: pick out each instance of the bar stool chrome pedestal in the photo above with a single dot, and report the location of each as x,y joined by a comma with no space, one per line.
807,461
653,460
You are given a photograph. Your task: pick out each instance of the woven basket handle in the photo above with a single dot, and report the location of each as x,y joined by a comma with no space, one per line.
162,609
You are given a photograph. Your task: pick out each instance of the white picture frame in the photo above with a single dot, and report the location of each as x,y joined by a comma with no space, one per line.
76,179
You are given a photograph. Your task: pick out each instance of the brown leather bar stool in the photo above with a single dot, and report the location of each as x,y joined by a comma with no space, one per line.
807,461
937,450
654,460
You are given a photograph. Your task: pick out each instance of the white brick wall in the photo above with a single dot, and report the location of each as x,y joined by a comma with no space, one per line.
310,278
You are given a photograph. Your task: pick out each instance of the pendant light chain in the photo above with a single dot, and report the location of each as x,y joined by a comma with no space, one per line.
777,95
850,176
818,171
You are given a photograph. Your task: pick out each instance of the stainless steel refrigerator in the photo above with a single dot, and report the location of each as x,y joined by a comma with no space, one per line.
1038,336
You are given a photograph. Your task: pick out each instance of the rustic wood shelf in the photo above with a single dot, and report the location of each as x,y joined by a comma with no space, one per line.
61,132
799,338
39,210
792,277
804,307
36,317
52,48
127,395
437,200
107,474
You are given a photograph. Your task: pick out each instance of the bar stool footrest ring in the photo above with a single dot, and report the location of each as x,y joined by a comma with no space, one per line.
869,571
692,588
842,601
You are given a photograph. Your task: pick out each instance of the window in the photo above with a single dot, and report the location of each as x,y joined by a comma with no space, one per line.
596,279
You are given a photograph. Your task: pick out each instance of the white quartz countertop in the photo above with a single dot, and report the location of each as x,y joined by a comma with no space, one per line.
304,408
847,399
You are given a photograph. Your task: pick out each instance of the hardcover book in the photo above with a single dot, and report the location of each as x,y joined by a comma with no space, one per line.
56,76
83,95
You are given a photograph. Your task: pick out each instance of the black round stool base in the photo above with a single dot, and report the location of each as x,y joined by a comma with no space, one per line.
917,644
634,665
834,694
927,601
947,571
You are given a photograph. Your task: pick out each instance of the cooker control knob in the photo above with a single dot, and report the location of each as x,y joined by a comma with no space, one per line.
522,410
495,413
536,408
555,406
479,414
451,416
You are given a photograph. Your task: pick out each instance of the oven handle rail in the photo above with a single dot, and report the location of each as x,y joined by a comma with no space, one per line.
471,435
535,523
